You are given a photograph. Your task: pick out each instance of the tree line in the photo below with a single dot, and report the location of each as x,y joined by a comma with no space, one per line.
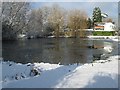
20,18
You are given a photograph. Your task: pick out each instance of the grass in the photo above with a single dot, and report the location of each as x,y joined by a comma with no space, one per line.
103,33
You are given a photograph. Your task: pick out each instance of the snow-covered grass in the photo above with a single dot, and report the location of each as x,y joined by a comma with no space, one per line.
99,74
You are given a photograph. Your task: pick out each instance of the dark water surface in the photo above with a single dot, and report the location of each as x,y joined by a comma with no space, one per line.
52,50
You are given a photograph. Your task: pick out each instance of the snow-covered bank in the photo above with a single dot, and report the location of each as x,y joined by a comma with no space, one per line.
15,71
103,37
109,38
99,74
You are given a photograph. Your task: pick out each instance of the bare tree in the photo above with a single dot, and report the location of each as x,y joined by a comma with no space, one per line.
47,26
56,18
0,22
35,26
39,24
14,18
77,20
45,13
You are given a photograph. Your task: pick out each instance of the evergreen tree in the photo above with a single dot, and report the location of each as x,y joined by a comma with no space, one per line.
97,15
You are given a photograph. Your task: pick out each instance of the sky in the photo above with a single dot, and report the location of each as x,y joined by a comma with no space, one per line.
107,6
110,8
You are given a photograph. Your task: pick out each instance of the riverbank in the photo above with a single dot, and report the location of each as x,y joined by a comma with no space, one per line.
103,37
111,38
99,74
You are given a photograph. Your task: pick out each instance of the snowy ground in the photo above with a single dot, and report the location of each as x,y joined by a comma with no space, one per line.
99,74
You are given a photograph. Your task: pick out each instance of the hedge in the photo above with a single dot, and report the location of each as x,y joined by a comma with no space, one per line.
103,33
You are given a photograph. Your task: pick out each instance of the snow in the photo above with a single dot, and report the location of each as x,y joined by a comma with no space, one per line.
115,40
104,15
104,37
99,74
109,27
12,70
108,48
21,35
108,38
96,76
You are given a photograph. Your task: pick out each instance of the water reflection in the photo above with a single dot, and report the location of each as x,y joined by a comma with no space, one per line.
52,50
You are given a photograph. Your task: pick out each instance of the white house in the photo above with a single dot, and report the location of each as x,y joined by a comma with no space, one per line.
105,26
102,27
109,27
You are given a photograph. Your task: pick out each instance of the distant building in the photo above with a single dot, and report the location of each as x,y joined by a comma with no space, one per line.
102,29
104,26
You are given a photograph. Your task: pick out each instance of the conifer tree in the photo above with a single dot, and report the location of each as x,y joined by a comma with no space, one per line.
97,15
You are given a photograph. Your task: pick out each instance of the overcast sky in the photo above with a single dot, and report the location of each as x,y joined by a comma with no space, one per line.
111,8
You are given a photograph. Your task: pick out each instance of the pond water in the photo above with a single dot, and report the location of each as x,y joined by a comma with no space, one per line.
61,50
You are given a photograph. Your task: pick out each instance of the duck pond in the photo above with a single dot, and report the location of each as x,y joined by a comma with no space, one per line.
58,50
